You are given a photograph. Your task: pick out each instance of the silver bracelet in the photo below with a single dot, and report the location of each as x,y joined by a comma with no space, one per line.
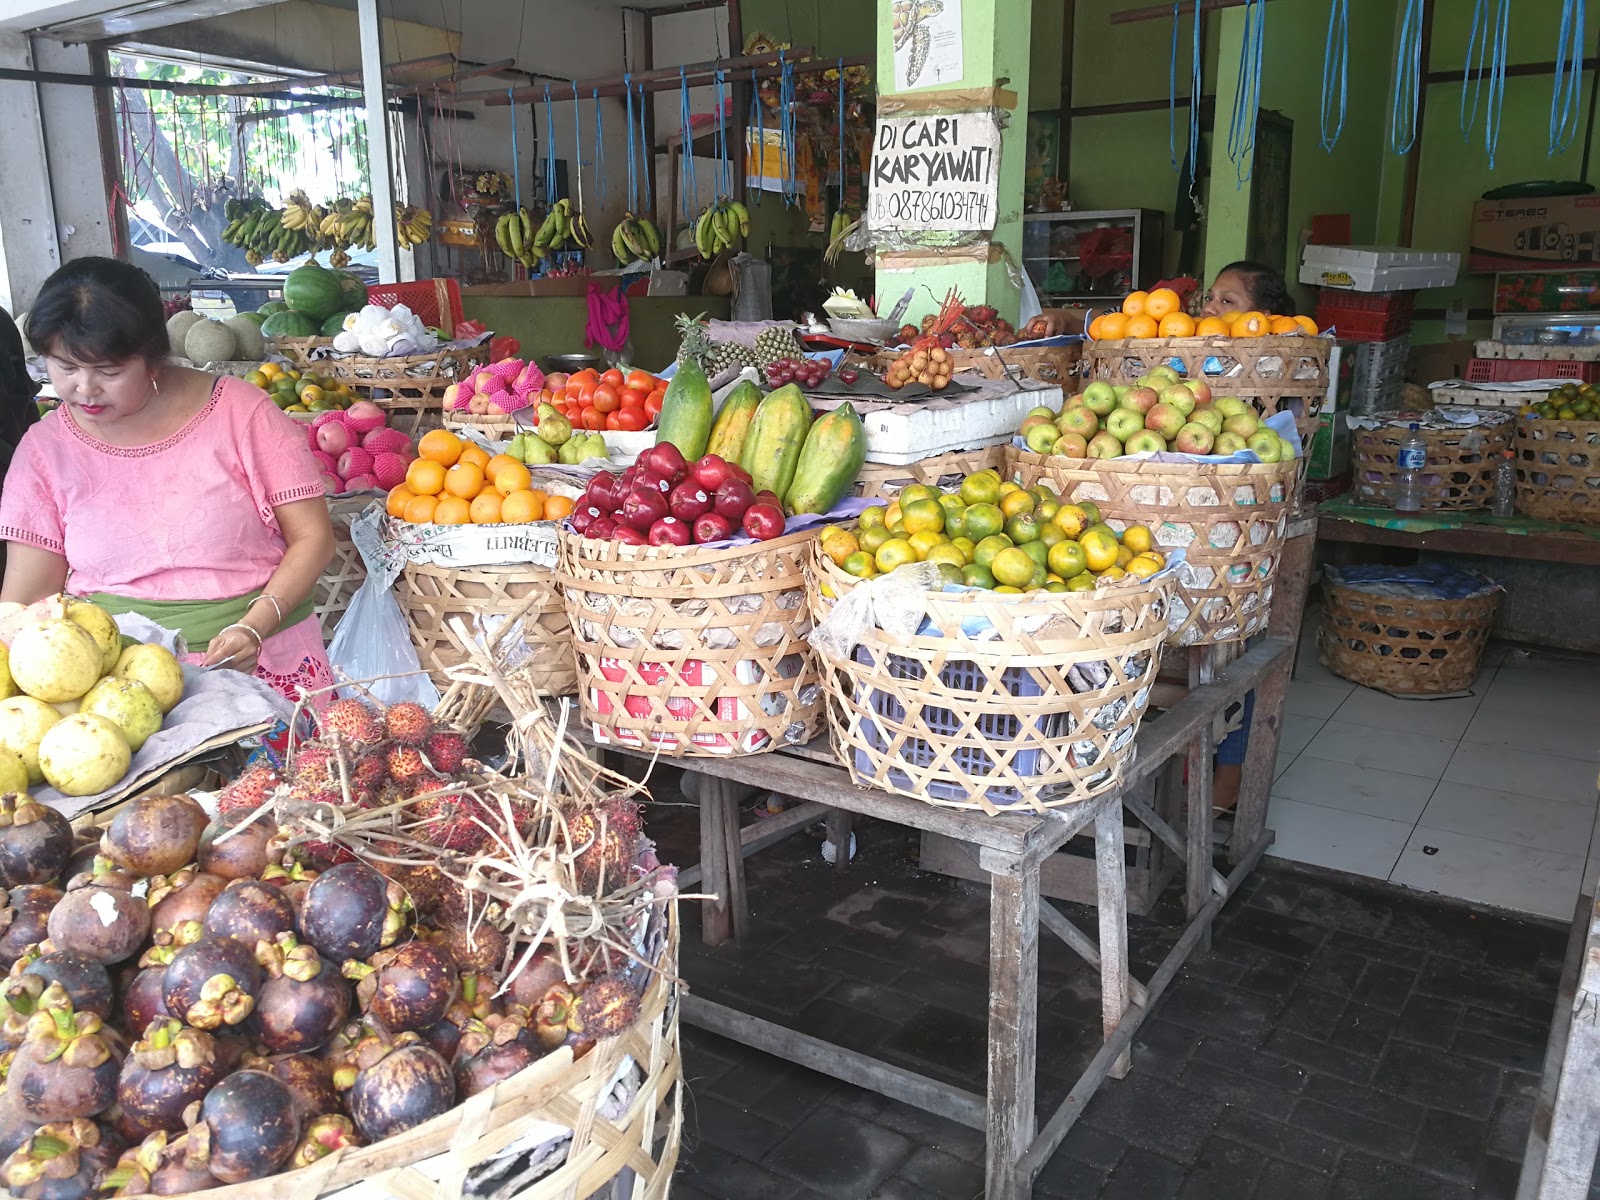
276,607
251,630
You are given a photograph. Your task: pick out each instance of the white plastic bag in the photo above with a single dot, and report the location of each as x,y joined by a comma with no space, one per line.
372,640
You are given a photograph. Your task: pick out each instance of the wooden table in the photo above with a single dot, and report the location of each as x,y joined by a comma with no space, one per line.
1472,535
1010,849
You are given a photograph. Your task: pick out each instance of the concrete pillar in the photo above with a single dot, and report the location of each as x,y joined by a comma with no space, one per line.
29,249
1228,205
71,139
995,37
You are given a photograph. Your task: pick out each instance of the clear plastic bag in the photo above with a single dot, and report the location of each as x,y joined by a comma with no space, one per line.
373,643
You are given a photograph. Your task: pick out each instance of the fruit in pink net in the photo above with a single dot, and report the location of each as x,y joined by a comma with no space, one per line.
388,469
354,461
360,483
326,461
334,415
331,483
363,417
384,441
333,438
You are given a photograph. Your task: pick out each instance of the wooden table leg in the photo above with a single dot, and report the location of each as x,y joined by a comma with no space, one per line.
839,823
1014,1023
1260,760
1111,876
1200,768
721,863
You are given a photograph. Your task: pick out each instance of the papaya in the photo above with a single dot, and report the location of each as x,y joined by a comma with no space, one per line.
777,435
732,425
829,462
686,411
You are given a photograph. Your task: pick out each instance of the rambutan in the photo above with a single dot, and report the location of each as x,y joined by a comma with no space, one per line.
452,822
446,750
608,1006
604,843
250,791
314,763
408,723
353,723
370,773
405,765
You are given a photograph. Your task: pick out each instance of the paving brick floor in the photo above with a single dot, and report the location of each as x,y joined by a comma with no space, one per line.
1341,1040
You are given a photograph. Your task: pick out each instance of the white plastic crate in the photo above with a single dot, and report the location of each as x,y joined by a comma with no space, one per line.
902,432
1486,395
1378,268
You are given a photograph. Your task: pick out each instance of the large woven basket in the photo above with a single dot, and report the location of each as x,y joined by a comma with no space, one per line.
298,350
694,651
1274,374
1403,645
1461,462
409,389
337,584
1558,470
880,481
481,598
1041,715
1229,519
1059,365
496,427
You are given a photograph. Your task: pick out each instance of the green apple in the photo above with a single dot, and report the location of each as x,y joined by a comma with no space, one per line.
1231,406
1266,444
1104,445
1227,443
1209,417
1244,424
1123,423
1100,396
1042,438
1146,441
1180,397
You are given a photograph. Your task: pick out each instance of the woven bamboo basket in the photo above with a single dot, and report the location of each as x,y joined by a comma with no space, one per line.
880,481
1460,472
1403,645
298,350
1041,715
1228,518
1058,365
410,389
1558,470
483,597
1274,374
497,427
694,651
337,584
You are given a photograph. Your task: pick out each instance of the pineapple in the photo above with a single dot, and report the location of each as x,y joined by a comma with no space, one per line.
694,343
777,343
728,356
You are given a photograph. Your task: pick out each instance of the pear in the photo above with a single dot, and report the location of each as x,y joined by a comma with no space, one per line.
553,427
517,448
536,452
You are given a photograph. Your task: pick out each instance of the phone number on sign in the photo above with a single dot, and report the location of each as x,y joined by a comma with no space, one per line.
963,210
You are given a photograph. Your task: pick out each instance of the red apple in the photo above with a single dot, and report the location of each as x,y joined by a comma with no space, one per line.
665,460
688,500
733,498
712,527
711,472
642,508
669,531
652,481
602,490
628,536
769,497
584,516
763,522
738,472
602,527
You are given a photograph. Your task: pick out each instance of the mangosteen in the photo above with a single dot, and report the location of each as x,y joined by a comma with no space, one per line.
166,1070
352,912
475,945
164,1166
303,1001
154,835
24,919
238,845
309,1079
15,1125
212,983
494,1050
250,911
399,1084
323,1135
182,897
142,1000
107,924
532,979
407,988
82,859
254,1130
35,840
67,1067
294,878
554,1016
102,872
63,1160
87,983
474,1001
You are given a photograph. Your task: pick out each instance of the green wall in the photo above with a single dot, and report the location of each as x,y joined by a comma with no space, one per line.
548,325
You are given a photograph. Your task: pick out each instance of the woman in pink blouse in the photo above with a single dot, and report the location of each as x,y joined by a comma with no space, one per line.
165,491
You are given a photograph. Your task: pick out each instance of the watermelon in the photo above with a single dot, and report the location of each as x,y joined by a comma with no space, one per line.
255,318
289,325
272,306
355,292
314,291
334,325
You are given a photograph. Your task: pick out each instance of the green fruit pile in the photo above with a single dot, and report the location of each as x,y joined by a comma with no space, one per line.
1156,413
1569,402
301,391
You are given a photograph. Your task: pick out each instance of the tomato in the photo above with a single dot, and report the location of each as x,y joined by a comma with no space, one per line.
587,375
611,420
592,418
586,392
652,402
629,420
606,398
612,377
632,397
641,381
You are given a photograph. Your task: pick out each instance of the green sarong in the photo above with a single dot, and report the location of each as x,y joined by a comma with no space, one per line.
197,620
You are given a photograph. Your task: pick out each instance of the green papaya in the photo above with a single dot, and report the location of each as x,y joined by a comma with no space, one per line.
829,462
686,411
733,421
777,435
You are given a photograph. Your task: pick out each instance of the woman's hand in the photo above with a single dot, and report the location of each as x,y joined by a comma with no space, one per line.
235,649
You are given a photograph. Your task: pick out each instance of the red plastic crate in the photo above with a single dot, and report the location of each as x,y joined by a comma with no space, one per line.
1365,316
1515,370
436,302
1390,304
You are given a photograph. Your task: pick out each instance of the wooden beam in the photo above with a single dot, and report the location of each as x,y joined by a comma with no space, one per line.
800,56
1156,12
105,120
1533,68
341,78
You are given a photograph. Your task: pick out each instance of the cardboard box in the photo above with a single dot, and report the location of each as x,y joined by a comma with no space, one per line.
1508,235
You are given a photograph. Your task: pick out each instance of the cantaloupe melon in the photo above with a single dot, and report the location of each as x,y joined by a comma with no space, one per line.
247,332
210,341
178,326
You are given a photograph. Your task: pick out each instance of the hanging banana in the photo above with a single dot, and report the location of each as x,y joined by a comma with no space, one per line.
719,227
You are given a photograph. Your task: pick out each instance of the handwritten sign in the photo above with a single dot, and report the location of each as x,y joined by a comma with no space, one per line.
935,172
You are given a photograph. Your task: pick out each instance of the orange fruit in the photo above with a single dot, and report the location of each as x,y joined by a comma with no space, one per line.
1283,325
1113,326
1095,327
440,446
1142,326
557,508
486,509
425,477
540,495
451,510
514,478
1250,324
1307,326
474,454
399,497
1161,302
464,480
492,468
1211,327
519,508
419,510
1133,306
1177,325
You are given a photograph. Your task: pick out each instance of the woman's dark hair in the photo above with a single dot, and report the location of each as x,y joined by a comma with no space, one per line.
99,310
1268,291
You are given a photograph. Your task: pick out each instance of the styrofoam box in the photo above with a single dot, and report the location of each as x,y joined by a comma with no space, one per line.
903,432
1378,268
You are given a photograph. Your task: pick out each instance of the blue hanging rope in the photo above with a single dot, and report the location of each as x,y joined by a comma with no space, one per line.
787,116
1568,77
724,158
1194,93
690,188
1247,97
1172,91
757,119
842,171
577,144
1477,48
550,177
1497,80
1196,88
633,178
1407,81
1335,70
647,156
599,151
516,170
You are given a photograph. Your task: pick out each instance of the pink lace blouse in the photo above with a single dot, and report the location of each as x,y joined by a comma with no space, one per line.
188,518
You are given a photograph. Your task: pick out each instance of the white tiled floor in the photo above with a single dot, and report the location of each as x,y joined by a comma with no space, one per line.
1490,797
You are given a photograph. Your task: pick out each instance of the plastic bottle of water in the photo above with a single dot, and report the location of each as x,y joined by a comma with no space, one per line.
1505,484
1413,461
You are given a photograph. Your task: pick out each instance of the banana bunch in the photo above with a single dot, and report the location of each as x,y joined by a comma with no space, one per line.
635,240
355,225
720,226
298,212
518,239
840,225
513,233
264,233
413,225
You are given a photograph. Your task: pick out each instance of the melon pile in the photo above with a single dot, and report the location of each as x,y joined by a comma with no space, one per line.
357,450
79,697
202,340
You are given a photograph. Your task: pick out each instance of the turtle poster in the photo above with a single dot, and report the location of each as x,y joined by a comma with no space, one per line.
927,44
